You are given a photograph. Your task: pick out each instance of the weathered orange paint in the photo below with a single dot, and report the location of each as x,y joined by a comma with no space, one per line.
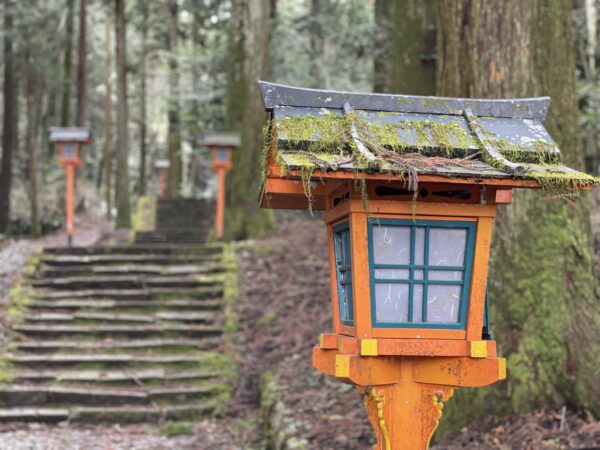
70,200
220,219
162,174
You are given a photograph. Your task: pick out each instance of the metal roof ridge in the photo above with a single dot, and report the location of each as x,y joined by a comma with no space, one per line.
274,95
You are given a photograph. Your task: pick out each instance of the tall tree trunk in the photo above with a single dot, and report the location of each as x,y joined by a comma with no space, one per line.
541,278
142,71
9,125
405,45
122,184
31,136
67,66
107,151
174,139
81,74
248,62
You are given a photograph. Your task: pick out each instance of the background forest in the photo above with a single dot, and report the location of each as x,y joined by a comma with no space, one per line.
148,77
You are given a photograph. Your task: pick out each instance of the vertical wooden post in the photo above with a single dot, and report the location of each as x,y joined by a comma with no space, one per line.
220,221
70,170
161,182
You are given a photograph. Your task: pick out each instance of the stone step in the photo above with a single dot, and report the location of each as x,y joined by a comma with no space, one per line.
120,414
130,305
118,259
103,358
205,249
131,294
18,395
49,271
107,317
135,376
153,345
99,331
125,281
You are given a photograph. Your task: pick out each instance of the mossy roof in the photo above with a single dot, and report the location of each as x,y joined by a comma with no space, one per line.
327,130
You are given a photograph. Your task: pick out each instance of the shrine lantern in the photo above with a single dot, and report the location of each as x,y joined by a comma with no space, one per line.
69,142
410,188
221,146
162,168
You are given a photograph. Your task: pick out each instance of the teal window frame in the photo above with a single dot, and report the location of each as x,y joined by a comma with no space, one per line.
466,268
341,248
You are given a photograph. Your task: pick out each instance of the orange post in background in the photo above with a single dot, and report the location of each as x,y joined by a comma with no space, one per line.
69,141
220,201
162,167
221,147
70,201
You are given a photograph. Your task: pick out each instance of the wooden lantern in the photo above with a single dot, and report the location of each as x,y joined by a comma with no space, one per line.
221,146
69,142
162,168
410,188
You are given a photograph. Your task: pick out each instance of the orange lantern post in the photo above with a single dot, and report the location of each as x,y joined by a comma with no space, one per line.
410,187
69,142
221,146
162,168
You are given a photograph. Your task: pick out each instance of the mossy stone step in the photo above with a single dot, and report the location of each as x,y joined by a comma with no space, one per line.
117,259
121,414
131,294
107,317
120,330
35,345
86,395
126,281
132,269
204,249
131,305
133,376
73,358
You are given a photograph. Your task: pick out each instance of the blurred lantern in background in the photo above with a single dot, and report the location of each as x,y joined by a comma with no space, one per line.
221,146
69,142
162,168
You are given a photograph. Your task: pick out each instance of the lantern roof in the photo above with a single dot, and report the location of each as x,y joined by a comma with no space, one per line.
70,134
162,164
222,139
324,130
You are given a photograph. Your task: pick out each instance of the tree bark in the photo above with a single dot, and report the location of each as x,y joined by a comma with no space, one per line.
33,107
248,62
143,125
67,66
122,182
405,46
541,279
9,125
81,73
107,150
174,139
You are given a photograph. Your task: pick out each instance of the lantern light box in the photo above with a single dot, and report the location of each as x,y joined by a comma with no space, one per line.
410,188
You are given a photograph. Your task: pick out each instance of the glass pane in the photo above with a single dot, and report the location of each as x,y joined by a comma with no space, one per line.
391,302
392,274
69,151
447,246
419,246
391,245
445,275
443,303
417,303
345,313
222,154
418,274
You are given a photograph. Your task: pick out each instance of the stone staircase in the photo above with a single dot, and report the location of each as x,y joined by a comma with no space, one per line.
173,220
118,334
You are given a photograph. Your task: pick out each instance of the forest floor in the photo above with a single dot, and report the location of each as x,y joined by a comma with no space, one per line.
283,307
